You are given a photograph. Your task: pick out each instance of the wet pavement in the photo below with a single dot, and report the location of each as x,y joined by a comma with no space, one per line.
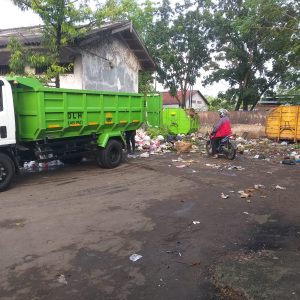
69,233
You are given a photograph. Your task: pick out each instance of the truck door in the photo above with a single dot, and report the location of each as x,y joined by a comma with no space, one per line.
7,115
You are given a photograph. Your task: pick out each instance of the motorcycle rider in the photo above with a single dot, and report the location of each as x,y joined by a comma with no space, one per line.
220,130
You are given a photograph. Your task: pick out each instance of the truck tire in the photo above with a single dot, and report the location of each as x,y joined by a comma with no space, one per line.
111,156
7,171
72,160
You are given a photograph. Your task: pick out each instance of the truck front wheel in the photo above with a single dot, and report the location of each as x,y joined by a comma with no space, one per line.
7,171
110,156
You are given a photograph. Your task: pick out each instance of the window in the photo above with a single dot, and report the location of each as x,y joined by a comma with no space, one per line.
1,98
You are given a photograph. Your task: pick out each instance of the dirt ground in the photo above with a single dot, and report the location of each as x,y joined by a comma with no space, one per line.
68,233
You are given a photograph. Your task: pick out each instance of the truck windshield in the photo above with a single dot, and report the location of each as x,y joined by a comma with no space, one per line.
1,98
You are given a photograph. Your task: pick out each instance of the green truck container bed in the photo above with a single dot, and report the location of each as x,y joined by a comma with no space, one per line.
179,122
43,112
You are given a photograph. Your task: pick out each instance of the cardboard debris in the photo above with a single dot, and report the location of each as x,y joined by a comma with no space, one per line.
245,194
183,147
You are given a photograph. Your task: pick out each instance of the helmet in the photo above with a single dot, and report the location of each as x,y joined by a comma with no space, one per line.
223,112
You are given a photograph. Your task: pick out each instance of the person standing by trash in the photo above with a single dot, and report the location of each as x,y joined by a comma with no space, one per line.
130,141
220,130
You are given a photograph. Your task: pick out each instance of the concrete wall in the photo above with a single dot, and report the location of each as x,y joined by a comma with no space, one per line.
98,74
236,117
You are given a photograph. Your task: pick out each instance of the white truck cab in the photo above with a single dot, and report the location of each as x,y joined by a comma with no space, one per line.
7,134
7,115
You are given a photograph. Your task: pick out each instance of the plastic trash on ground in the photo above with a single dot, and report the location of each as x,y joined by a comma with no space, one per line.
135,257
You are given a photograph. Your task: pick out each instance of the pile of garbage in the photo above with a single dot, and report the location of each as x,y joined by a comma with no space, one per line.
263,148
38,167
159,144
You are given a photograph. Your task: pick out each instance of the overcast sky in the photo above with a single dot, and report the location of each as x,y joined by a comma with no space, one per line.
12,17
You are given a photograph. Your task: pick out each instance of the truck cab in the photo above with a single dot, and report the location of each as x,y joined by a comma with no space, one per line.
7,115
7,134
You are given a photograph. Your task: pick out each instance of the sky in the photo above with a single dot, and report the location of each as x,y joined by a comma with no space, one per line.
13,17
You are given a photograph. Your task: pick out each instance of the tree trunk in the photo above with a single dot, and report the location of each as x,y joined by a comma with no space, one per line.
58,48
238,104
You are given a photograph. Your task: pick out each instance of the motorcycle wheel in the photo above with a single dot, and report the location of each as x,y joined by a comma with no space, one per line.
231,152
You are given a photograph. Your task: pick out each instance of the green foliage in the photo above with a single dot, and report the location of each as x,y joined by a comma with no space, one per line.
146,83
18,56
153,132
63,21
178,43
216,103
255,43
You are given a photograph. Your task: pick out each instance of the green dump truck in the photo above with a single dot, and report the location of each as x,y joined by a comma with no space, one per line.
44,124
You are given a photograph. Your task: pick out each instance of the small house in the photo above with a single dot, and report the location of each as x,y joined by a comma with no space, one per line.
194,99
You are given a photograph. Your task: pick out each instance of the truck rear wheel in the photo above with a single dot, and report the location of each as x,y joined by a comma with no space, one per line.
111,156
7,171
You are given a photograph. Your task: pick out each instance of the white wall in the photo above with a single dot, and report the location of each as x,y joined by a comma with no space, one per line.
73,81
197,103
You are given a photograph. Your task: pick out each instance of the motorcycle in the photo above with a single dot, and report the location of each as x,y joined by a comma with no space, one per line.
226,147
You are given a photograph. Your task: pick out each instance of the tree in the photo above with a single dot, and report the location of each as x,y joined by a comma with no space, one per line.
178,42
63,21
255,43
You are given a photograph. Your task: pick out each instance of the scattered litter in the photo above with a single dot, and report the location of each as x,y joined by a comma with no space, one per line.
259,186
62,279
223,196
215,166
260,156
278,187
288,161
135,257
196,263
145,155
244,194
245,213
178,159
239,168
196,222
181,166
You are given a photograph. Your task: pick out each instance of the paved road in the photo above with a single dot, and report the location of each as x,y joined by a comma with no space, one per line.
68,233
